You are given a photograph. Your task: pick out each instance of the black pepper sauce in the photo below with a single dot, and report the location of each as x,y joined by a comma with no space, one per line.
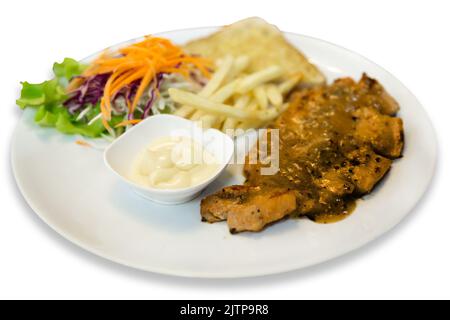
316,133
337,216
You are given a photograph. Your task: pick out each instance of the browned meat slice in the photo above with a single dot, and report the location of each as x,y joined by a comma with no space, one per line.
367,176
248,208
384,133
217,206
373,94
335,183
366,92
365,169
336,143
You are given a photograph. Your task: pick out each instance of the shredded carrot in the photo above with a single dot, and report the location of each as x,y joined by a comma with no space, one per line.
140,61
106,124
127,122
74,84
83,143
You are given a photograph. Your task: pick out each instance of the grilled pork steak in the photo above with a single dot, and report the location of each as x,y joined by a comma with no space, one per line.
248,208
336,143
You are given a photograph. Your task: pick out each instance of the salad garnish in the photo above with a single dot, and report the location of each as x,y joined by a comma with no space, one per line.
117,90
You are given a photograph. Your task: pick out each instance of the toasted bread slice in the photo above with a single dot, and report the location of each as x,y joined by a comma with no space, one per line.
262,42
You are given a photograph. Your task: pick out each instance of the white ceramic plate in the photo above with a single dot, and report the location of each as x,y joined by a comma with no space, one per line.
70,188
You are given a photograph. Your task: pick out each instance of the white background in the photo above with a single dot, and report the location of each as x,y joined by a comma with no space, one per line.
409,38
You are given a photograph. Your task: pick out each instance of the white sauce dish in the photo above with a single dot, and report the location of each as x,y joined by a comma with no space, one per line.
126,155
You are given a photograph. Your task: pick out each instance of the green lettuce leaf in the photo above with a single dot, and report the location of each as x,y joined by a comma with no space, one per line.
48,98
46,118
62,120
45,93
65,125
67,69
51,91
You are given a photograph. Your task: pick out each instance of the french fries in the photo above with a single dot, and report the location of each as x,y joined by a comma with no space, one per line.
231,123
197,115
207,105
219,76
261,96
255,79
220,96
274,95
289,84
208,120
248,123
240,64
235,99
212,85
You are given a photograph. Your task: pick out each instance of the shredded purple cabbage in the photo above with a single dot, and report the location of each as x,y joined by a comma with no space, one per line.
148,106
152,95
130,91
196,77
90,92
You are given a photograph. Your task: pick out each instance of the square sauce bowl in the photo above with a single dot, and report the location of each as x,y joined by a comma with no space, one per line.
120,156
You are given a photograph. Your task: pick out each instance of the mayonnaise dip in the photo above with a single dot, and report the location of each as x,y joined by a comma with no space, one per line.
173,163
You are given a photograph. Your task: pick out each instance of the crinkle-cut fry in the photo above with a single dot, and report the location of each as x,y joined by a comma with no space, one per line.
201,103
257,78
274,95
290,83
